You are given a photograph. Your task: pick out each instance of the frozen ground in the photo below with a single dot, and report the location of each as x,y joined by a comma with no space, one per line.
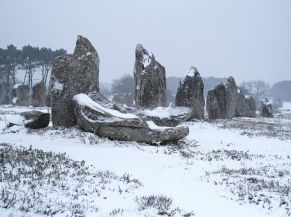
223,169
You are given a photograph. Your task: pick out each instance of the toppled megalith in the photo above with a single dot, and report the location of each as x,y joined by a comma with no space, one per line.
266,109
22,94
150,79
5,93
106,122
231,97
73,74
216,103
38,97
190,93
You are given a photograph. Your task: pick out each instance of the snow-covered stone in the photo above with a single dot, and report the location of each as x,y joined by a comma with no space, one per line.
150,79
266,109
166,116
93,117
190,93
73,74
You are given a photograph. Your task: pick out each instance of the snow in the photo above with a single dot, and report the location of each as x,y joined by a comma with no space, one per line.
17,85
286,106
153,126
191,71
58,86
84,100
147,58
162,170
165,112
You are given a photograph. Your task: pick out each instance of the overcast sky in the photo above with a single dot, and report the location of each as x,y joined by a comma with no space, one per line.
248,39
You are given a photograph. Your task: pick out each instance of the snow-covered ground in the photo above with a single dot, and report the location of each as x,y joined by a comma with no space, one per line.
222,169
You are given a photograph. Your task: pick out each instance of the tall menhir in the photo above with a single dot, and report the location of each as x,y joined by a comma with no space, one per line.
71,75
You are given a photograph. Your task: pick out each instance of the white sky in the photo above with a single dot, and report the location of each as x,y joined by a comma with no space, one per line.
248,39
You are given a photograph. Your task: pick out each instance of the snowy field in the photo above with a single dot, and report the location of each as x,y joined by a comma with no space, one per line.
234,168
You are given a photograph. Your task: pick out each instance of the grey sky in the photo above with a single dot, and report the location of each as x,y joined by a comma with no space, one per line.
248,39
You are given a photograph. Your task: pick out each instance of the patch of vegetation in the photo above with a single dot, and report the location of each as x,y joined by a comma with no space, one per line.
266,186
48,183
162,205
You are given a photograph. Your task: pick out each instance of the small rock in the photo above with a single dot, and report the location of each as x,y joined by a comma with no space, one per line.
42,121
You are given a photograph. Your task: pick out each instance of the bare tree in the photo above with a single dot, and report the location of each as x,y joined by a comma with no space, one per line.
257,88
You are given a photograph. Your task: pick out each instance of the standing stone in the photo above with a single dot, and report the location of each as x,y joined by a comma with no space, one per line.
231,97
5,93
246,106
71,75
216,103
150,79
250,107
266,109
38,98
190,93
241,105
22,94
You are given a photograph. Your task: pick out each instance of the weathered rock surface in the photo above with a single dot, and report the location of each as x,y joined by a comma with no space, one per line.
166,116
266,109
150,79
251,107
5,93
231,97
41,121
38,98
22,94
216,103
227,101
93,117
246,106
73,74
240,106
190,93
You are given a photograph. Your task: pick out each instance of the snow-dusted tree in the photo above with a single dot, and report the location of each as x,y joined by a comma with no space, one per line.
257,88
46,57
30,61
9,61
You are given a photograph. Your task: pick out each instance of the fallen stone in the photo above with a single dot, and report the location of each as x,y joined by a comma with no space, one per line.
42,121
166,116
92,116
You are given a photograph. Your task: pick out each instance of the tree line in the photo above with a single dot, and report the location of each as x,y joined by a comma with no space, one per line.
28,58
123,89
